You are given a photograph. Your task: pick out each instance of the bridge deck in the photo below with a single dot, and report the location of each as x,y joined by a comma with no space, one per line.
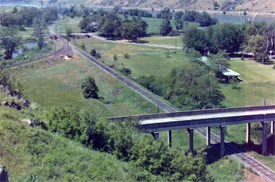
207,116
202,118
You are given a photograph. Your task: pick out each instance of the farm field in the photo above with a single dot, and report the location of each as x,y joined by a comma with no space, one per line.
58,83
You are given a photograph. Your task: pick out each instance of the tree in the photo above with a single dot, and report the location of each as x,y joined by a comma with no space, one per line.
115,57
93,53
193,87
40,43
39,26
259,46
133,29
9,40
69,32
228,37
219,62
195,38
126,71
165,27
89,88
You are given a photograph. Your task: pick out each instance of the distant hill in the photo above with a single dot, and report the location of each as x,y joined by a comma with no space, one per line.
267,6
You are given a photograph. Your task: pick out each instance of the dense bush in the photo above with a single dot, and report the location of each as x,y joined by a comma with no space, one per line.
192,87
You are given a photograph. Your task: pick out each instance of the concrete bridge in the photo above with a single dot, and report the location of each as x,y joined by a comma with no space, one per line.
190,120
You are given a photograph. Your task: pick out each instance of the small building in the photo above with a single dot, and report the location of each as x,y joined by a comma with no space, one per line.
227,74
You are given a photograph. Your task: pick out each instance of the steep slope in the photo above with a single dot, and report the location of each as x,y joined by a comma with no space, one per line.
37,154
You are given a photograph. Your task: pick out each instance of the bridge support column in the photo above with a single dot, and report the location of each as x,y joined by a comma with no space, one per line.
272,127
208,136
155,135
248,133
169,135
191,140
264,138
222,141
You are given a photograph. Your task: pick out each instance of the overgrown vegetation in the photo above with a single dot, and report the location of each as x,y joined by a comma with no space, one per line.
12,22
126,143
191,87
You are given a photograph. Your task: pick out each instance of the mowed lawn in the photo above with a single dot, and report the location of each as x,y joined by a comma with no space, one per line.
143,61
58,83
173,41
258,84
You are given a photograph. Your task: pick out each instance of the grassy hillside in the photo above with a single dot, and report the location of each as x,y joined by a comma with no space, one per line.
58,83
36,154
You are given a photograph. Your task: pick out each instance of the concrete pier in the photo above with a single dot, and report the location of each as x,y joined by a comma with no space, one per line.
264,138
272,128
191,140
208,136
222,141
155,135
248,133
169,138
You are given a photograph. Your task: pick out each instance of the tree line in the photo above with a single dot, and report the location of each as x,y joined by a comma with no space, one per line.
109,25
257,38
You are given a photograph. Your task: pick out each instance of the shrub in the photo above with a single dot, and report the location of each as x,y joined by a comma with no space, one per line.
126,71
126,56
89,88
93,52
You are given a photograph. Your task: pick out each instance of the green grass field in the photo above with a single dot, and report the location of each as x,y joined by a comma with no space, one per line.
144,61
258,84
59,83
173,41
68,22
154,25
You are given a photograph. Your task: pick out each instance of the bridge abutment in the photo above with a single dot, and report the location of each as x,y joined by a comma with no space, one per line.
222,141
191,140
169,138
208,136
248,133
264,138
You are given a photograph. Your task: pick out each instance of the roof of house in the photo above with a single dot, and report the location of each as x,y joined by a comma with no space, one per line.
227,72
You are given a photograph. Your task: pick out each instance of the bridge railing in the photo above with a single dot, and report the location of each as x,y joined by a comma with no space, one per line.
194,112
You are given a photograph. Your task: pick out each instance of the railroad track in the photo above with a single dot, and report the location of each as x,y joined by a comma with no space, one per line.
248,160
64,47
